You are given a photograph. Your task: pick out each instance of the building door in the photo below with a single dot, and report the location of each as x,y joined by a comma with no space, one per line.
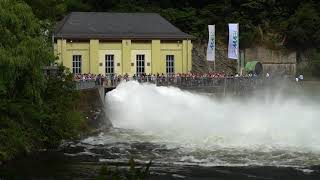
170,64
140,62
109,64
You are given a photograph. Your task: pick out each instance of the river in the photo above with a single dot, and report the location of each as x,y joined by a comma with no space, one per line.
193,136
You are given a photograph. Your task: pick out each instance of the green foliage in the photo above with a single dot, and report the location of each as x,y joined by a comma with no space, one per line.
35,111
134,172
48,8
304,26
277,23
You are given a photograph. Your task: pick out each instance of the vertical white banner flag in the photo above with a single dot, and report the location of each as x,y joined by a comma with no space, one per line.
211,43
233,50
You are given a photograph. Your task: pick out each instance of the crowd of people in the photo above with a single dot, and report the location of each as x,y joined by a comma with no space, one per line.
85,77
114,79
216,79
144,76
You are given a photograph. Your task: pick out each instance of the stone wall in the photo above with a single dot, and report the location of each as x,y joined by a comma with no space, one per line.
273,61
200,64
91,105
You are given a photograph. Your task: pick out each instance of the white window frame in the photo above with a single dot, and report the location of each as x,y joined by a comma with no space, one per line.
170,64
109,64
76,64
140,63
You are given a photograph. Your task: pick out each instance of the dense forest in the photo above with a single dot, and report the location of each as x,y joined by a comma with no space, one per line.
34,115
285,23
276,24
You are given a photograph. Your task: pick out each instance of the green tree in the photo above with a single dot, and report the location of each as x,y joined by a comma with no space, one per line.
48,9
33,114
303,27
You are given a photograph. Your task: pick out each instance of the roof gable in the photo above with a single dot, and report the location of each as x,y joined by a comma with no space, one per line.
85,25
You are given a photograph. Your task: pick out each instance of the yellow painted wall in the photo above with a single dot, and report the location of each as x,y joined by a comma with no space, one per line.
141,45
177,60
84,61
112,45
126,56
117,59
156,56
55,49
78,46
64,51
61,50
93,55
174,45
177,49
185,55
189,60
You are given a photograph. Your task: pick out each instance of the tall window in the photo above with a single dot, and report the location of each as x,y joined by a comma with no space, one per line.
170,64
140,63
76,64
109,58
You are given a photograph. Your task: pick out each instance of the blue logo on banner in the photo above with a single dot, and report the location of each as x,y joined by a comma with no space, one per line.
212,40
235,40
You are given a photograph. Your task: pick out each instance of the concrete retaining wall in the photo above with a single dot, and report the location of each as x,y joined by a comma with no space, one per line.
273,61
91,105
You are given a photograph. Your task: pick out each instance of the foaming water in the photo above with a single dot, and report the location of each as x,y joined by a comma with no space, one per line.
198,123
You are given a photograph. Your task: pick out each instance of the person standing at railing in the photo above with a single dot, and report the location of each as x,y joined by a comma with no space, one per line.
114,80
139,78
143,77
183,79
149,77
110,79
157,79
267,75
153,78
98,80
118,79
178,79
126,77
101,80
301,77
163,79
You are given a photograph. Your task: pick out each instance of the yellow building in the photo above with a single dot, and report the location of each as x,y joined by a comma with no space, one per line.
133,43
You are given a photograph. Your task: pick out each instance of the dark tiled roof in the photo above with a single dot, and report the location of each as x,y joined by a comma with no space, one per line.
100,25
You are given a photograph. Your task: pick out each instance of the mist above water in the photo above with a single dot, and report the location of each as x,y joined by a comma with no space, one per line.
180,118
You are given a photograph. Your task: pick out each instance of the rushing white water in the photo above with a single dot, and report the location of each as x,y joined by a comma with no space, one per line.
182,119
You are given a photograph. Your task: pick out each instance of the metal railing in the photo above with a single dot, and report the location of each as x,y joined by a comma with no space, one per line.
85,84
225,85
